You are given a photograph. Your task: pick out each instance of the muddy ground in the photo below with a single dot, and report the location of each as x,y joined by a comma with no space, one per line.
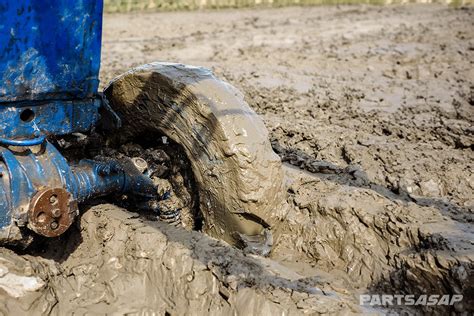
371,110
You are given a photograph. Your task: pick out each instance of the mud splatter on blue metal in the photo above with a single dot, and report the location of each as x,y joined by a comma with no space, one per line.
25,121
23,175
49,49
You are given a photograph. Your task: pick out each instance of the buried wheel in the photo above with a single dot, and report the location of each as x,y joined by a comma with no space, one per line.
239,177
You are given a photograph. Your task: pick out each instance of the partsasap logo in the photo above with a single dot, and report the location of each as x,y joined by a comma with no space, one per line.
409,300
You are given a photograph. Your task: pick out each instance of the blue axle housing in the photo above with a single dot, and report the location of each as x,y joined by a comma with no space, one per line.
49,67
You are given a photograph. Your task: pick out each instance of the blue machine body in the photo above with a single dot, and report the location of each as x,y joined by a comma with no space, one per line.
28,123
26,173
49,49
49,67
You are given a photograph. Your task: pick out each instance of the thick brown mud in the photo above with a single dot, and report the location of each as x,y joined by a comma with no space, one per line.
122,264
371,112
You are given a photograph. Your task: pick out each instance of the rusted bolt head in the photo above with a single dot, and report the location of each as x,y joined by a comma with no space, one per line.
53,199
56,212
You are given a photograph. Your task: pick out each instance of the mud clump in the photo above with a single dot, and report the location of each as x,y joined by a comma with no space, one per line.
179,200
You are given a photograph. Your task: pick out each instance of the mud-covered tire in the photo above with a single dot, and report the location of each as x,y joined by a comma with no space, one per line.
240,179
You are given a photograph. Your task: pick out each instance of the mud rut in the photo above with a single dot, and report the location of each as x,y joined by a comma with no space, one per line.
380,197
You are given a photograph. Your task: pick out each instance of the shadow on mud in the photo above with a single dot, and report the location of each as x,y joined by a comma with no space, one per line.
416,276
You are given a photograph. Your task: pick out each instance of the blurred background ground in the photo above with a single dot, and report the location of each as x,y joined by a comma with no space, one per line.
169,5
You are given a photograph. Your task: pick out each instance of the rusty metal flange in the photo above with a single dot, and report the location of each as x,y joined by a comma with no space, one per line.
51,212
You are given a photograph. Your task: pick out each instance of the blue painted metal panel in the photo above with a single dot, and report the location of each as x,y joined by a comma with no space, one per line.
49,49
54,117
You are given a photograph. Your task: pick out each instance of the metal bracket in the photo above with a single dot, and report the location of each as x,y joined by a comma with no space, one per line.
20,121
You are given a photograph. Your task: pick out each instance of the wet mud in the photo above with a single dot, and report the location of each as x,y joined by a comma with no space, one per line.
370,109
123,264
239,177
